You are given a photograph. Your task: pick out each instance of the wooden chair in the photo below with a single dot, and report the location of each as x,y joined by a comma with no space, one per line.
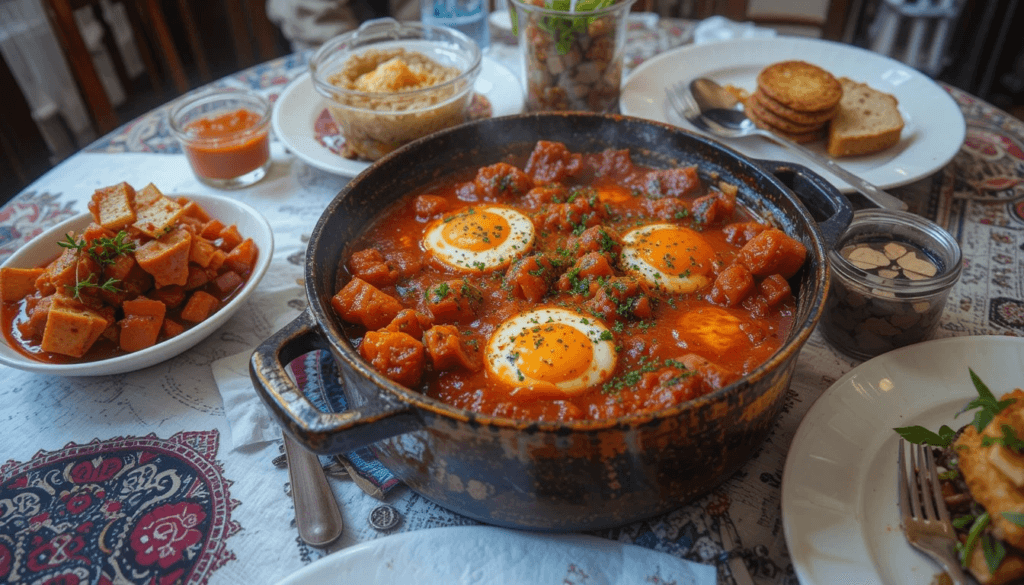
25,153
155,34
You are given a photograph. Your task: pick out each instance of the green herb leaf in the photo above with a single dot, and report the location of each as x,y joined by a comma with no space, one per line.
1015,517
980,523
922,436
994,552
962,521
70,243
986,402
1008,440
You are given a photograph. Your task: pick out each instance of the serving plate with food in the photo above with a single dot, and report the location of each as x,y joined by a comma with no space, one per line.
140,278
519,309
839,488
301,119
927,135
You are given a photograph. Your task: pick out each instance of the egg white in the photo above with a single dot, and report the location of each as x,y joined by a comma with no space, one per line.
451,238
537,339
683,244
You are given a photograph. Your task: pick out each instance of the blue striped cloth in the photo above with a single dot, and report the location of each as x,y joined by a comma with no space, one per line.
317,376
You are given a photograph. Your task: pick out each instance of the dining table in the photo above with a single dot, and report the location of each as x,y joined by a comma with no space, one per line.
182,459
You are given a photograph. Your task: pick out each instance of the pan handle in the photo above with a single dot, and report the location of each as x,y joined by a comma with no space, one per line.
381,416
830,208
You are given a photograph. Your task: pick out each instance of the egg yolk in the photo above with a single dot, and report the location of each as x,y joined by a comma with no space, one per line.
476,230
554,352
678,251
613,194
711,328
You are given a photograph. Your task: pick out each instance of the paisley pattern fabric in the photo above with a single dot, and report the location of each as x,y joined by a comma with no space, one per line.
126,510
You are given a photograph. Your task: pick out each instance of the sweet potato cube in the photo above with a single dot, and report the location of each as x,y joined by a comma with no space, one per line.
172,328
37,312
138,333
217,260
71,328
772,251
227,283
242,258
731,286
361,302
94,232
192,224
211,231
112,333
166,258
59,271
192,209
136,282
155,214
202,251
197,277
229,238
170,296
17,283
143,307
114,207
140,328
121,267
775,289
199,306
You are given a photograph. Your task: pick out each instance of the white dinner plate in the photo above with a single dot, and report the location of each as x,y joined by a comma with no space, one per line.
839,502
299,106
934,126
487,555
43,248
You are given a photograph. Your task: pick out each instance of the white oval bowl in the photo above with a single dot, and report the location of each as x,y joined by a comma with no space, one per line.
43,248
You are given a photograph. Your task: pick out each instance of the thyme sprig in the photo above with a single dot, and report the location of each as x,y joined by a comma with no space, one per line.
109,285
104,251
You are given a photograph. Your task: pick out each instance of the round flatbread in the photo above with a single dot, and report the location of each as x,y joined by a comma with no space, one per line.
798,137
800,86
755,107
795,116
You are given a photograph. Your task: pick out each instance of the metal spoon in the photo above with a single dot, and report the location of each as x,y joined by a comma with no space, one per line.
317,515
716,113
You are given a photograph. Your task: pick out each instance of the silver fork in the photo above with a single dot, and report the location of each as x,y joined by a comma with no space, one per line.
925,517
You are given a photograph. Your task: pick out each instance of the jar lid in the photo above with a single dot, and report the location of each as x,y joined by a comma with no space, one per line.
897,252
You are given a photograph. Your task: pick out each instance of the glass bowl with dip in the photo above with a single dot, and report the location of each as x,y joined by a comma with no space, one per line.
225,134
388,83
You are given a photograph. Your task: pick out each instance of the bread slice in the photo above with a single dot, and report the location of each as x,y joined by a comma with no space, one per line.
868,121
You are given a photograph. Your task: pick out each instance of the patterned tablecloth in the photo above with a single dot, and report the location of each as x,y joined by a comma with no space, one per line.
134,478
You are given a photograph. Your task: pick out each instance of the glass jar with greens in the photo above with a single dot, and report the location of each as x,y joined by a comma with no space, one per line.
572,52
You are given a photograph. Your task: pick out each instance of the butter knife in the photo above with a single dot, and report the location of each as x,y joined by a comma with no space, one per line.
317,515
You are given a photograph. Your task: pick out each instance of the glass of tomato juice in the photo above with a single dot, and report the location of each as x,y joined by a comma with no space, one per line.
225,135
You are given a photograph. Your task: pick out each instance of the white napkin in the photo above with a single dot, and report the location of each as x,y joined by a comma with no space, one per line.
720,28
249,420
497,556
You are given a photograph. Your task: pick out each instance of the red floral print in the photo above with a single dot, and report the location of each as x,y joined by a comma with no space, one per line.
164,533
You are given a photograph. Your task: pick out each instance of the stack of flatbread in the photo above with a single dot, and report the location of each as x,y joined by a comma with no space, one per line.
795,100
803,102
